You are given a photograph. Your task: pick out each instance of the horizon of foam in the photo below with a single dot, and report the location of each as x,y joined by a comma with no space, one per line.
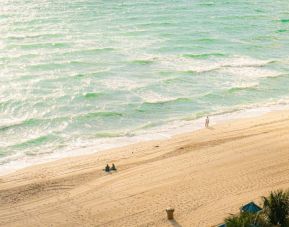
157,132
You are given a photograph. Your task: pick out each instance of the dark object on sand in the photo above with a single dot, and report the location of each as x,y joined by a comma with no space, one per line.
107,168
170,213
113,167
251,208
222,225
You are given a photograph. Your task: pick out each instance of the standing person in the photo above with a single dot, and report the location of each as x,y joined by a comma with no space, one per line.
207,122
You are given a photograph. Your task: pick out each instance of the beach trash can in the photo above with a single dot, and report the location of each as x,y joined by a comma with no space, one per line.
170,213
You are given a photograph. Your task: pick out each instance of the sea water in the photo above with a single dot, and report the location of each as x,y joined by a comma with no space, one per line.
90,74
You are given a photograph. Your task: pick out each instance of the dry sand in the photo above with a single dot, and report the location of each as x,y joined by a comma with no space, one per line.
204,175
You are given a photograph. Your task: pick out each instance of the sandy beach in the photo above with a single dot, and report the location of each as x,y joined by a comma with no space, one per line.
205,175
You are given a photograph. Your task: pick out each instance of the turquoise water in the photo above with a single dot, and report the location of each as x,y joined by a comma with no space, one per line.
76,73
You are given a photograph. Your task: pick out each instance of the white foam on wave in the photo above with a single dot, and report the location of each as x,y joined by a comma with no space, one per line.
154,97
242,84
195,65
184,64
244,61
121,84
177,126
250,73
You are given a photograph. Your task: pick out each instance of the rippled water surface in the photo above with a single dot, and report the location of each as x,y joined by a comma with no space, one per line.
74,74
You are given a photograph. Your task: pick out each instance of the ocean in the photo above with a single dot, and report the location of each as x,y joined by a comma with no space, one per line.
85,75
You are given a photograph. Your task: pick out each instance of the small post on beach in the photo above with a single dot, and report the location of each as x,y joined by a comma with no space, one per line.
170,213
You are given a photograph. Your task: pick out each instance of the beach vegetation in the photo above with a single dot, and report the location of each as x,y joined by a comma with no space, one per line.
276,208
275,212
245,219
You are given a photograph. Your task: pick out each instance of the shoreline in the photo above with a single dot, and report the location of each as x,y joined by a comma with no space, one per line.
204,175
164,132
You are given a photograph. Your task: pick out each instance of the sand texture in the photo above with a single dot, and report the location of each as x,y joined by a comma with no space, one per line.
204,175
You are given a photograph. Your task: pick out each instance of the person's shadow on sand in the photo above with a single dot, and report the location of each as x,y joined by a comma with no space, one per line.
211,128
174,223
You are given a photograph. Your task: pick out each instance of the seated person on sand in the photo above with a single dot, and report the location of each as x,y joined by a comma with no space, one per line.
113,167
107,168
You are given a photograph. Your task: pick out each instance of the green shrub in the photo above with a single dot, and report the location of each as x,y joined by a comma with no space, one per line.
245,219
276,208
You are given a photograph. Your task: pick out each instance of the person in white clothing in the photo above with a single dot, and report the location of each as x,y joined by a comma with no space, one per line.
207,122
